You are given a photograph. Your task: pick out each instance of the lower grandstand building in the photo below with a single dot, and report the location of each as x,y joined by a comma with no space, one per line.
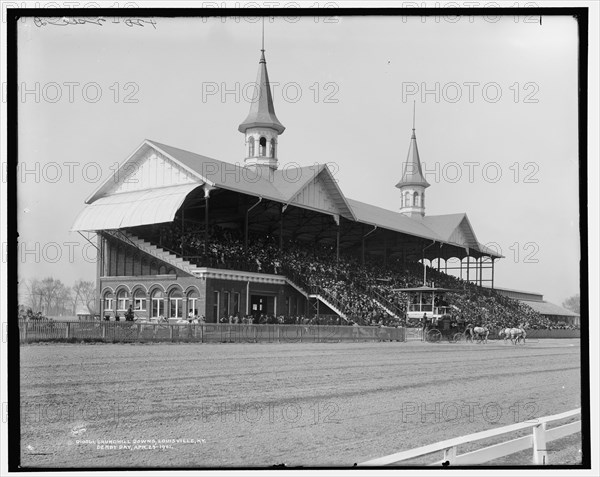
554,313
177,232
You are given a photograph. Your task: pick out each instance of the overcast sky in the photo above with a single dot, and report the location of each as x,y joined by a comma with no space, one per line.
497,132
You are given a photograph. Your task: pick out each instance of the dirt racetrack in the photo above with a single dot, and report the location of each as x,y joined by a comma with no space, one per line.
309,404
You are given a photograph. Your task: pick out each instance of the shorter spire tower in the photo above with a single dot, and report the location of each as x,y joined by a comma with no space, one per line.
413,184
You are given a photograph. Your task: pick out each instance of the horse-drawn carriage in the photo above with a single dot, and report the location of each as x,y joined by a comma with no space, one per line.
451,328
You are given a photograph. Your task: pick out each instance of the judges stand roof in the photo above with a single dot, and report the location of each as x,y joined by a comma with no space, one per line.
426,289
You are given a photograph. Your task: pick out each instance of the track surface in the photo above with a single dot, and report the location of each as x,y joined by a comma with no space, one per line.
313,404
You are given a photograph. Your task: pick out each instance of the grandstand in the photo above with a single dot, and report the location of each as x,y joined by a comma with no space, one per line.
181,235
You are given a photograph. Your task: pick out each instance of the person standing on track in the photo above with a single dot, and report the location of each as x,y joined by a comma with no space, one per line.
424,326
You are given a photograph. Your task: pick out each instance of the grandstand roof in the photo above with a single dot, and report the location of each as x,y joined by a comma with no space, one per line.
547,308
380,217
310,187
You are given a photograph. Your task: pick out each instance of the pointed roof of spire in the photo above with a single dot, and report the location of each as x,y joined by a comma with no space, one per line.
413,174
262,111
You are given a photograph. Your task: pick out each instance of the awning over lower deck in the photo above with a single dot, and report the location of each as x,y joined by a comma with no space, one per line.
130,209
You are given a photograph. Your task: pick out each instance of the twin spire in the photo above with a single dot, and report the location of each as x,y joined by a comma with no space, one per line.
262,112
413,184
262,129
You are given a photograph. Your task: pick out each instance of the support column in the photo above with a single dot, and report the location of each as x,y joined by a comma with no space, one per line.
206,197
281,211
385,250
337,237
492,273
363,251
364,240
182,229
246,222
207,189
468,267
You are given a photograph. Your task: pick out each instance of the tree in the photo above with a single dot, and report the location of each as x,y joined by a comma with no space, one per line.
85,293
573,303
32,294
55,295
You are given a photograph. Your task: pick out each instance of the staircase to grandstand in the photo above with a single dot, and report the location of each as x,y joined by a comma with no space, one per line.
322,297
157,252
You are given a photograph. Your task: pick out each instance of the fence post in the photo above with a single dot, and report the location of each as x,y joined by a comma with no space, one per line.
103,330
278,333
540,454
450,455
68,332
171,331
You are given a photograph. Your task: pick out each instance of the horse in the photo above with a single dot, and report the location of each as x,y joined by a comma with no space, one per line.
507,335
469,333
481,333
518,334
514,334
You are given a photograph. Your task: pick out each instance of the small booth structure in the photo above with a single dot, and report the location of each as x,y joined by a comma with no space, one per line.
427,309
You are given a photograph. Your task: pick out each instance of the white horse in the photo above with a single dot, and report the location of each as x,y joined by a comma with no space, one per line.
507,335
514,334
480,333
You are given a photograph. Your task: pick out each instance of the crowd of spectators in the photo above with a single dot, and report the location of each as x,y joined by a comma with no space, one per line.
357,290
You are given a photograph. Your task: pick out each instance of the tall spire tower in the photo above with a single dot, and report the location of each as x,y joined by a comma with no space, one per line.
413,184
261,127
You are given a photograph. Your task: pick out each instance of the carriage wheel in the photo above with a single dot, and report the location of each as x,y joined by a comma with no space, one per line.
434,336
458,337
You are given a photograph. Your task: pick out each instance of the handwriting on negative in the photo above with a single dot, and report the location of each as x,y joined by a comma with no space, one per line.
65,21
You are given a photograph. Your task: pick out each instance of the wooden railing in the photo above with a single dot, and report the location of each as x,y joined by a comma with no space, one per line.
537,440
124,331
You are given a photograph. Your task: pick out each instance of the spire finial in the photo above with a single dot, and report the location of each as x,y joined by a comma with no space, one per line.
263,35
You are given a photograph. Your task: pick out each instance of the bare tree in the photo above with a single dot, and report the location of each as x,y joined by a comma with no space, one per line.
54,295
84,292
573,303
63,299
32,294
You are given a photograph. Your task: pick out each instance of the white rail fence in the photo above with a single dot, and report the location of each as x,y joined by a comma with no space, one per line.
536,440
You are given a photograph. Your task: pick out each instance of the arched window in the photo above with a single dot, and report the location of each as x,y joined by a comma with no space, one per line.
251,147
416,199
122,300
158,303
109,299
176,304
273,147
162,270
139,300
407,199
262,146
192,303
